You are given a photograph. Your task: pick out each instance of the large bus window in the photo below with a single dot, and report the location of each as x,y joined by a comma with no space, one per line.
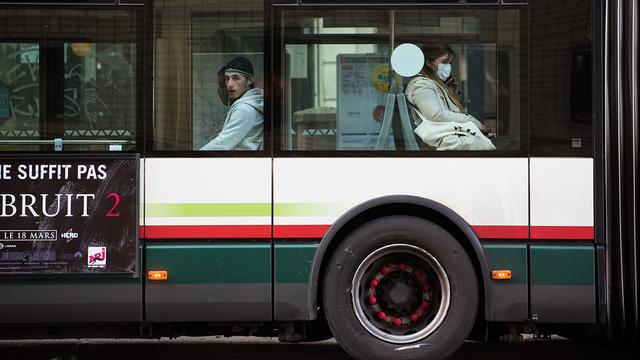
561,78
19,92
194,109
73,86
337,83
487,66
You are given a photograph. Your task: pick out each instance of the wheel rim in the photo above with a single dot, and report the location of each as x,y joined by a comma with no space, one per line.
400,293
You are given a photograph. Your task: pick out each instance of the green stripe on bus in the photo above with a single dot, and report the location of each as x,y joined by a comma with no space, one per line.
244,209
562,265
310,209
211,263
293,262
215,209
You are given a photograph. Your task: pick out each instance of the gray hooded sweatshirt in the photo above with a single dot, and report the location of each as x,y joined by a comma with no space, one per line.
243,126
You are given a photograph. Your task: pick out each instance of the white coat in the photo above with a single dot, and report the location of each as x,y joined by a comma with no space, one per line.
440,123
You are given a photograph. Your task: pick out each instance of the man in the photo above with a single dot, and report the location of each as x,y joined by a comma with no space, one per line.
243,125
222,86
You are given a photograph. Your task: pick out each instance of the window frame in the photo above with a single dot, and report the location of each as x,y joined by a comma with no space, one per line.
149,118
278,66
45,78
597,94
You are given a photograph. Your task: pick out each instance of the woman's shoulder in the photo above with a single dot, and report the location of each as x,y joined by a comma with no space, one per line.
422,81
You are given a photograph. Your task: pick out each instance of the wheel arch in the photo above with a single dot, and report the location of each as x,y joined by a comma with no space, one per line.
400,205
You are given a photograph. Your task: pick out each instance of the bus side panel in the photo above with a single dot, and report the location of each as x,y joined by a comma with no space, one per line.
70,301
562,207
509,298
563,285
310,194
207,198
292,279
209,282
207,222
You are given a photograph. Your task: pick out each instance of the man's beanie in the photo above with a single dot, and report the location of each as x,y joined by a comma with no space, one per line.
240,65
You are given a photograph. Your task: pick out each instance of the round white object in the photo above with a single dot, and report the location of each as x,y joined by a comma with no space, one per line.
407,60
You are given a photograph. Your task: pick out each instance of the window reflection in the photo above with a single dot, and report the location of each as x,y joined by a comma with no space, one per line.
336,70
337,80
345,106
561,56
19,92
74,85
99,90
192,46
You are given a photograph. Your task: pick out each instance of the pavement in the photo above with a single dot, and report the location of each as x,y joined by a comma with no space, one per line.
251,348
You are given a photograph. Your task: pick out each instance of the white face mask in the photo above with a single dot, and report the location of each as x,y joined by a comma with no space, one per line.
444,71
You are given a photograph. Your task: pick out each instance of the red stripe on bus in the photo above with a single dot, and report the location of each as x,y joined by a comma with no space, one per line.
318,231
537,232
299,231
501,231
562,232
207,231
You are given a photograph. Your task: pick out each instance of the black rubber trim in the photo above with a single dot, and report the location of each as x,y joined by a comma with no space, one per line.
621,159
598,21
434,206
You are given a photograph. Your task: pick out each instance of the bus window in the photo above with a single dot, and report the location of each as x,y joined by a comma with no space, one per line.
194,109
71,87
20,114
100,90
336,77
487,62
337,83
561,78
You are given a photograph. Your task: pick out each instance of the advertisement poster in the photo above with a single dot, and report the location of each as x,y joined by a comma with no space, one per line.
363,83
69,215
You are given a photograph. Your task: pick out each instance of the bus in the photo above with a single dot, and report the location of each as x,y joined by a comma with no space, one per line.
131,207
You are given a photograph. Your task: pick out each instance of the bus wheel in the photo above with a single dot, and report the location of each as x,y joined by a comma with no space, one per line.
400,287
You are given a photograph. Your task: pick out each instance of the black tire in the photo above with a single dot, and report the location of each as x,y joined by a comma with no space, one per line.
401,242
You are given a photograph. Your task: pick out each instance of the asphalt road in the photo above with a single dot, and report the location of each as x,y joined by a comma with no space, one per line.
243,348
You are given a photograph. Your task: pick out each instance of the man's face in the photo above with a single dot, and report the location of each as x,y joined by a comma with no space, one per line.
237,84
222,89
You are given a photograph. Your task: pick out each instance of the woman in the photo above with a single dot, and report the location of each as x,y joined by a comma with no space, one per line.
439,113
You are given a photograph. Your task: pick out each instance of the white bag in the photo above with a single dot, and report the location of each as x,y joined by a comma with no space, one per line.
452,135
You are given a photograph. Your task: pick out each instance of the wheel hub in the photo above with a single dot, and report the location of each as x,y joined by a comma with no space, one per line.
400,293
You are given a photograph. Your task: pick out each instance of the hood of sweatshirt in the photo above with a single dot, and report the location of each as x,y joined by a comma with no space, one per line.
253,98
